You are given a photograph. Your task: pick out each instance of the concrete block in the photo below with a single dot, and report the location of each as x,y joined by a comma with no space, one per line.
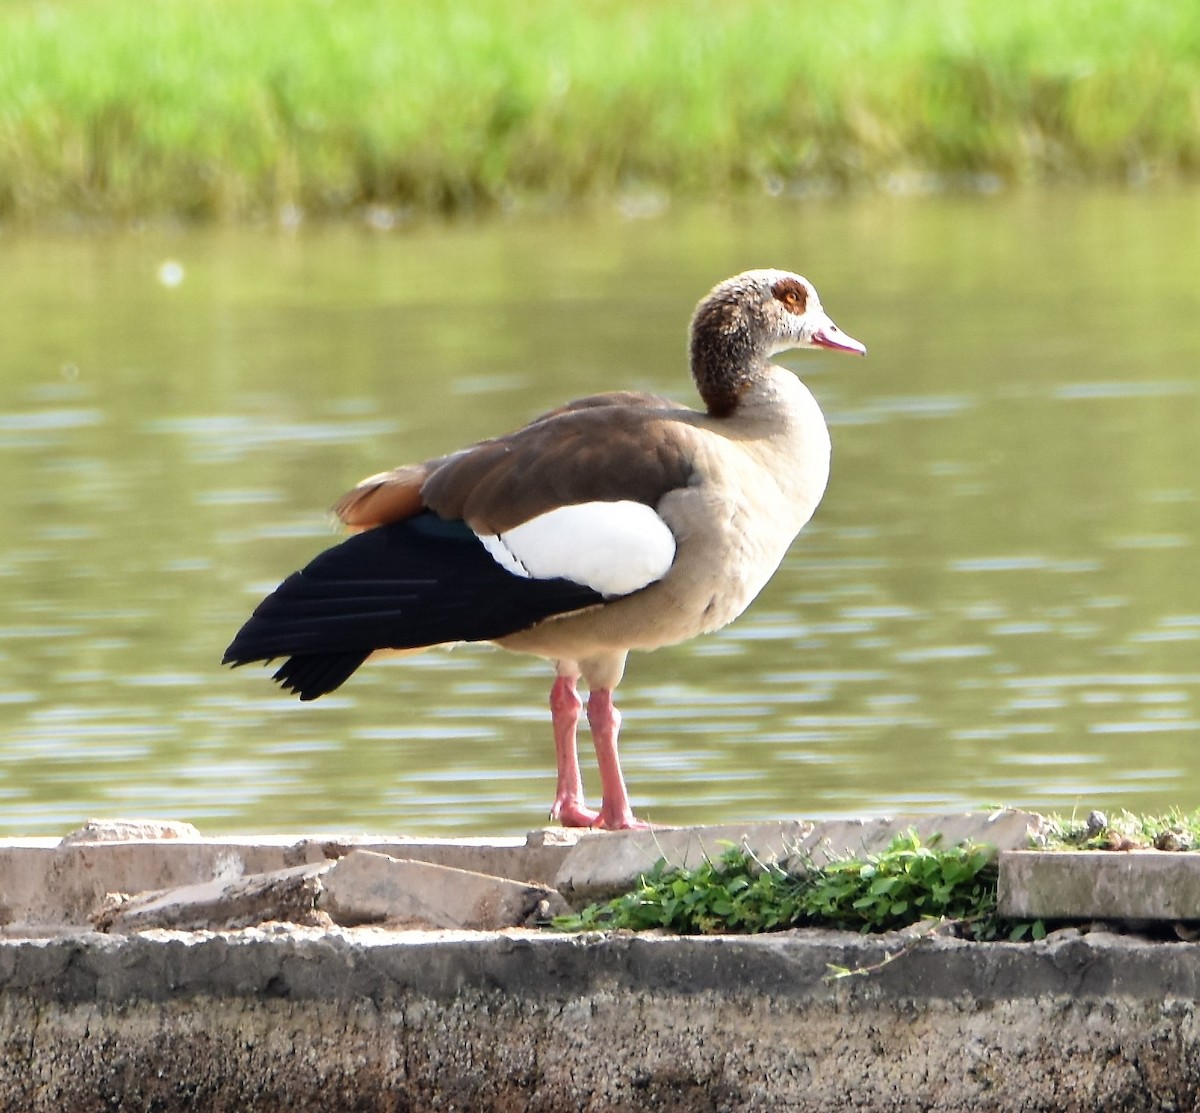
365,887
1004,829
603,865
283,895
1100,885
125,830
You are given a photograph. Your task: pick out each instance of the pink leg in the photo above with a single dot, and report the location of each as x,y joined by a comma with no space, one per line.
568,808
605,721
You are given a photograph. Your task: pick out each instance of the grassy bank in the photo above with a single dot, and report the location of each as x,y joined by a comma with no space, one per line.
217,108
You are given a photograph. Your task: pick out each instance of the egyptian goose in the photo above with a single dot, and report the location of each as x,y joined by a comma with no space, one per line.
621,521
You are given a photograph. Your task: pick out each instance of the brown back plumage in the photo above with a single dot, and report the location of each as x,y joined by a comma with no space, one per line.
602,448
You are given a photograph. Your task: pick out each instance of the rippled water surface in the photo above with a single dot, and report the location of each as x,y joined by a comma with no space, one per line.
998,600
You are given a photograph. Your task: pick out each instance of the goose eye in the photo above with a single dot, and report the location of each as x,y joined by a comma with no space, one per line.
791,294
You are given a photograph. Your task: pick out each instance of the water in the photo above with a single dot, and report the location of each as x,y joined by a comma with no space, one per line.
997,601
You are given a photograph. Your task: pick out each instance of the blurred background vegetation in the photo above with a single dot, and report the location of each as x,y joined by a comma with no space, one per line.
228,110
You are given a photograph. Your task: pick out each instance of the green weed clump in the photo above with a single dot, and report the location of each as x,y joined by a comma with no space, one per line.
217,108
907,883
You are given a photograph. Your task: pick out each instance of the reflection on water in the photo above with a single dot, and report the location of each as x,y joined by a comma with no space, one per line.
997,601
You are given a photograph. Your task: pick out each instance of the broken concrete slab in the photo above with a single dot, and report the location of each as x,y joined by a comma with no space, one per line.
1100,885
365,887
288,895
362,887
605,865
47,881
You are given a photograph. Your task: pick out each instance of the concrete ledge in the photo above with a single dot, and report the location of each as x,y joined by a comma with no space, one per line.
370,1020
341,964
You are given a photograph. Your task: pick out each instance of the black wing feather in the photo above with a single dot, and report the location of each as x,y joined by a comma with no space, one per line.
414,583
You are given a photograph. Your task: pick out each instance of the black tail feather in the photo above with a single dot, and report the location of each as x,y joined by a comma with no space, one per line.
407,585
313,674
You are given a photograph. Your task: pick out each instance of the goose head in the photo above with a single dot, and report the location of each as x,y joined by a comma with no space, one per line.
745,320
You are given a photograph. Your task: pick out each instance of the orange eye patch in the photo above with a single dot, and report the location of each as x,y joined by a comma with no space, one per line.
793,295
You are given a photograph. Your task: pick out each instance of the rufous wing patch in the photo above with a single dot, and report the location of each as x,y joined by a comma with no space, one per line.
390,496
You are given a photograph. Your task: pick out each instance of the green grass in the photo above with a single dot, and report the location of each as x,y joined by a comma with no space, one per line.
1174,830
219,108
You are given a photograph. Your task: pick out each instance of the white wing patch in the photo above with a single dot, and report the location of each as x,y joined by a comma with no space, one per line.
612,547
